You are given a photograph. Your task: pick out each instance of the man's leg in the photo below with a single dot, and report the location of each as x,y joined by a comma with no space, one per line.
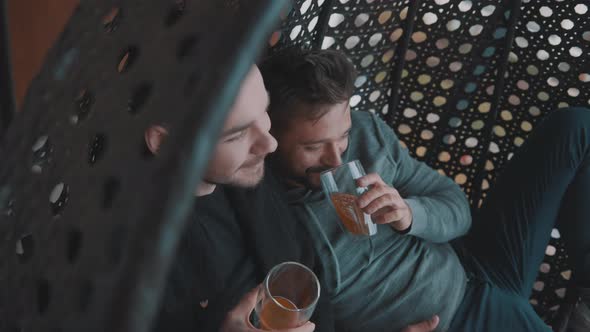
546,184
489,308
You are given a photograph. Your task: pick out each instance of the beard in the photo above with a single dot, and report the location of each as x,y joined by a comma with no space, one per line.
316,169
312,176
249,175
311,179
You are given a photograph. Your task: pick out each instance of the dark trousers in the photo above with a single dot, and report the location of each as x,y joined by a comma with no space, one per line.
545,185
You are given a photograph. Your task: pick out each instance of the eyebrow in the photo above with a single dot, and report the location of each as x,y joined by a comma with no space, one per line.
325,140
235,130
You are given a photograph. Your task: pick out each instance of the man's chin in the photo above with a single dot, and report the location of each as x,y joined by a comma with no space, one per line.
313,181
249,177
308,181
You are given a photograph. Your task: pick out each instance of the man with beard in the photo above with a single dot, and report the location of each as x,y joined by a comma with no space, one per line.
409,270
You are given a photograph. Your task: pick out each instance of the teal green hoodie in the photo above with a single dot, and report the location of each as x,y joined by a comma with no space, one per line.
390,280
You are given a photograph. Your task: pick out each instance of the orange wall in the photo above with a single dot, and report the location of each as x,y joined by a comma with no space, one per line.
34,26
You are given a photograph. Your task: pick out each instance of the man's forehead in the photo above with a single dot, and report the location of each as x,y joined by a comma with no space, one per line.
331,115
243,114
331,125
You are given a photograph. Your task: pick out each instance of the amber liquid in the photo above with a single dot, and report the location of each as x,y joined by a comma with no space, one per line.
350,214
273,316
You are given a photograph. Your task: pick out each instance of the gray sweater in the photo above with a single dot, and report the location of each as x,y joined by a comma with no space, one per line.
388,281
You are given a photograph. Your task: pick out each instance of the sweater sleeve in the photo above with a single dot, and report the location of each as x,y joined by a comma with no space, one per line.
439,207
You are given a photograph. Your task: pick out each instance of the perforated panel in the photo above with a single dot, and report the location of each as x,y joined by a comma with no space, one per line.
462,83
84,248
88,221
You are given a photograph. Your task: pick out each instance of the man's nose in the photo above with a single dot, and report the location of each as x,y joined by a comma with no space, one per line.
265,144
332,157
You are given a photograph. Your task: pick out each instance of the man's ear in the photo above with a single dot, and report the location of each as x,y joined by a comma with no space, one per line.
154,136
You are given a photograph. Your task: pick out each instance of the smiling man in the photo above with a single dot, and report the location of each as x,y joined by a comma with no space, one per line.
216,264
238,157
409,271
370,282
314,148
319,105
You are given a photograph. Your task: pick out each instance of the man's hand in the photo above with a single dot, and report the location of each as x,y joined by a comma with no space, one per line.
425,326
384,203
237,319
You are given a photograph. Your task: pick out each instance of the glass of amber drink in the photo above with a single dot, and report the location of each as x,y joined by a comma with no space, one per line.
340,188
287,297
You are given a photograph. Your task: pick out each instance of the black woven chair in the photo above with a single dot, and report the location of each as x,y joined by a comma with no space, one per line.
86,241
88,223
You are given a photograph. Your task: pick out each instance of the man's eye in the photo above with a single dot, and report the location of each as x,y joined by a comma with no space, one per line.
235,138
311,148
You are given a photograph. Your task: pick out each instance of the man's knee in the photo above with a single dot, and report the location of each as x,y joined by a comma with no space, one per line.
570,117
569,127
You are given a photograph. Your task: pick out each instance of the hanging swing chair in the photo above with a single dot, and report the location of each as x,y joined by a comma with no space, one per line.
86,244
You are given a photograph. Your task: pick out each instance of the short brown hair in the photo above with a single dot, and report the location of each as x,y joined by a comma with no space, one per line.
314,78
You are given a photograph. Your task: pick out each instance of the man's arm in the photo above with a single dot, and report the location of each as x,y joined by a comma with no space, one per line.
438,207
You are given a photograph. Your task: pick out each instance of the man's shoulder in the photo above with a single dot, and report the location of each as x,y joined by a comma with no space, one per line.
368,129
363,118
214,201
268,186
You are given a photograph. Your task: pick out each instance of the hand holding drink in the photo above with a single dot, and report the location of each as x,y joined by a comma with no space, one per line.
287,297
341,188
384,203
362,201
237,319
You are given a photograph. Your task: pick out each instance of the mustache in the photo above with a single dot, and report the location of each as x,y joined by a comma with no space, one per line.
317,169
253,162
